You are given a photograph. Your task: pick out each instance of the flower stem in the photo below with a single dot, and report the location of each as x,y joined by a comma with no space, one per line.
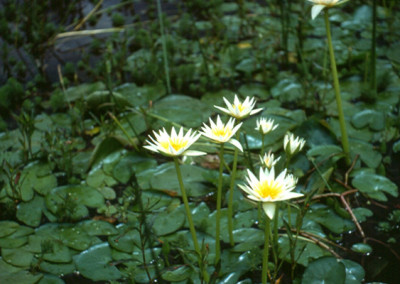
264,275
219,201
230,200
345,139
262,144
188,212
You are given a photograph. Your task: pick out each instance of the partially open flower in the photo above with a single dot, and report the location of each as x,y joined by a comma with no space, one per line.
319,5
269,160
175,144
238,109
268,189
292,145
265,126
221,133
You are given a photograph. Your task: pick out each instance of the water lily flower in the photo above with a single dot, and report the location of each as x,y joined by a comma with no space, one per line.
265,126
269,189
221,133
238,109
319,5
175,144
292,145
269,160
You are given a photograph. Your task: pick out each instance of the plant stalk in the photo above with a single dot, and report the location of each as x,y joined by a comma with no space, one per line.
230,199
344,138
264,275
187,209
219,201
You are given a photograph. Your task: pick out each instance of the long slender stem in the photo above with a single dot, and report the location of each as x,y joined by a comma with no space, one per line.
187,208
262,144
345,139
373,50
219,201
231,190
264,275
164,46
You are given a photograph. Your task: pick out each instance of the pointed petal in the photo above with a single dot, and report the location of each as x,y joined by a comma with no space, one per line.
315,10
269,209
193,153
254,111
222,109
236,143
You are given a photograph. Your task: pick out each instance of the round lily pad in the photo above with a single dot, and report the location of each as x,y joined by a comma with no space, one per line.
94,263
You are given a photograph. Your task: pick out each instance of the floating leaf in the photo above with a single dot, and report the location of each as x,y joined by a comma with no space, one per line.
374,119
327,270
169,222
17,257
98,228
94,263
361,247
7,228
177,274
106,147
31,212
375,186
12,274
354,272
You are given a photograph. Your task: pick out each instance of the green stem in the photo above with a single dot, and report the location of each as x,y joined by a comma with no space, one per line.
164,46
264,275
345,139
187,209
262,144
373,50
230,200
219,201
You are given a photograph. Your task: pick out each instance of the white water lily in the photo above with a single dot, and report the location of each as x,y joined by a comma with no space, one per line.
319,5
221,133
265,126
268,189
238,109
269,160
173,145
292,145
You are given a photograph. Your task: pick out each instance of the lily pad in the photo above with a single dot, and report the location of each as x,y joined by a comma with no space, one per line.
169,222
326,270
177,274
98,228
95,263
31,212
375,186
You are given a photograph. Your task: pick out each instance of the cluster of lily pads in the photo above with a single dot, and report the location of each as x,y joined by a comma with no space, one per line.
244,199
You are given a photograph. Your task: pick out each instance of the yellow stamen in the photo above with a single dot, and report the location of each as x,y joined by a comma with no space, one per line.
176,143
221,132
240,107
268,188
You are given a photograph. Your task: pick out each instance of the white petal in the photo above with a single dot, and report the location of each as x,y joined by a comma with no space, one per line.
269,209
254,111
222,109
194,153
236,143
316,9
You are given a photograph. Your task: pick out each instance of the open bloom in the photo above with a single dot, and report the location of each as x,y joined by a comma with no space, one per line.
319,5
265,126
268,189
292,145
269,160
221,133
175,144
238,109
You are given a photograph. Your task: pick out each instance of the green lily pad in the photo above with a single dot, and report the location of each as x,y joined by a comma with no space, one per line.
182,110
57,252
177,274
326,270
375,186
57,268
80,195
361,248
169,222
83,90
354,272
51,279
17,239
12,274
126,240
7,228
31,212
98,228
94,263
106,147
326,217
374,119
17,257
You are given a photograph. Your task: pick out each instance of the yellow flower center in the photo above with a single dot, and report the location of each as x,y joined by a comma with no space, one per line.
240,107
269,188
221,132
176,143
